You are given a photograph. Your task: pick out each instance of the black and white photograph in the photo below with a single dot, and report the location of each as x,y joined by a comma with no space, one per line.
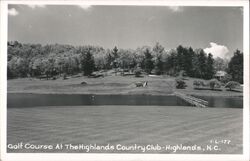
125,79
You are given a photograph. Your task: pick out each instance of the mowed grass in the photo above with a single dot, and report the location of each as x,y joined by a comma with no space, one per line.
162,85
106,85
126,125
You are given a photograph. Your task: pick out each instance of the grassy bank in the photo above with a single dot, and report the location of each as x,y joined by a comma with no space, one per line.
126,125
163,85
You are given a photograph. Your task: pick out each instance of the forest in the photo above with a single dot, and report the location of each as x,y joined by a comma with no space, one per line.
53,60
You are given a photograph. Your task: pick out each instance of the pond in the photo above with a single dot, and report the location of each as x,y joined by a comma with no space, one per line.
230,102
32,100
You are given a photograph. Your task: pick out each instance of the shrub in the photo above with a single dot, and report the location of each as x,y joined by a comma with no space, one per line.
157,71
65,76
182,73
180,84
226,78
138,73
83,83
214,83
232,84
198,83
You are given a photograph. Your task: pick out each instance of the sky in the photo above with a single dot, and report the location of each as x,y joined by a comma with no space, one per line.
217,30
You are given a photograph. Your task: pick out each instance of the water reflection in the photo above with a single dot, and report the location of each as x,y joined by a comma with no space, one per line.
32,100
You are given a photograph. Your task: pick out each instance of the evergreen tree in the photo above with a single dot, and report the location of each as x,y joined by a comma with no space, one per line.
88,63
180,58
115,52
115,57
148,62
184,59
235,66
159,65
202,59
210,67
158,49
109,60
189,56
171,63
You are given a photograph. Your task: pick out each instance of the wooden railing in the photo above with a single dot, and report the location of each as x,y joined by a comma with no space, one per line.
192,100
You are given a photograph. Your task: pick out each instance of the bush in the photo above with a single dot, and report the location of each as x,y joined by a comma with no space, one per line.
182,73
64,76
214,83
158,71
138,73
198,83
180,84
226,78
232,84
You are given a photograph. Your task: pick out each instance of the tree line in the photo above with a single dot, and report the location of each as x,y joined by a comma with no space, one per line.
34,60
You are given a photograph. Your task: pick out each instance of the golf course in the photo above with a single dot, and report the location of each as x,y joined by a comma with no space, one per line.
124,125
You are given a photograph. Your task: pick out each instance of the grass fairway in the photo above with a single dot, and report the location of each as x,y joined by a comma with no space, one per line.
162,85
126,125
106,85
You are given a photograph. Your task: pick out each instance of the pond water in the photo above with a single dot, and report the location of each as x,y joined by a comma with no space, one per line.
233,102
32,100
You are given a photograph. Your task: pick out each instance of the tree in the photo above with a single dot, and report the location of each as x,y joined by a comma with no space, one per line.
220,64
201,64
231,85
180,58
198,83
125,60
148,62
180,84
115,55
184,59
226,78
158,49
100,60
171,65
109,60
88,63
115,52
214,83
235,66
157,52
189,56
210,67
159,65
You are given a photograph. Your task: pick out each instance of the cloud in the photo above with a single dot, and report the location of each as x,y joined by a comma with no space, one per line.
33,6
175,8
85,7
13,12
218,51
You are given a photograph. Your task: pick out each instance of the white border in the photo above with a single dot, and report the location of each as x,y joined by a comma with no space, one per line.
146,157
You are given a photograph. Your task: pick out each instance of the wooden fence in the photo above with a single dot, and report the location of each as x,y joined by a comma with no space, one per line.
192,100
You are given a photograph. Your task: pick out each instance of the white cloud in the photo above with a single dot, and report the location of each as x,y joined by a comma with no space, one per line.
85,7
218,50
13,12
33,6
175,8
